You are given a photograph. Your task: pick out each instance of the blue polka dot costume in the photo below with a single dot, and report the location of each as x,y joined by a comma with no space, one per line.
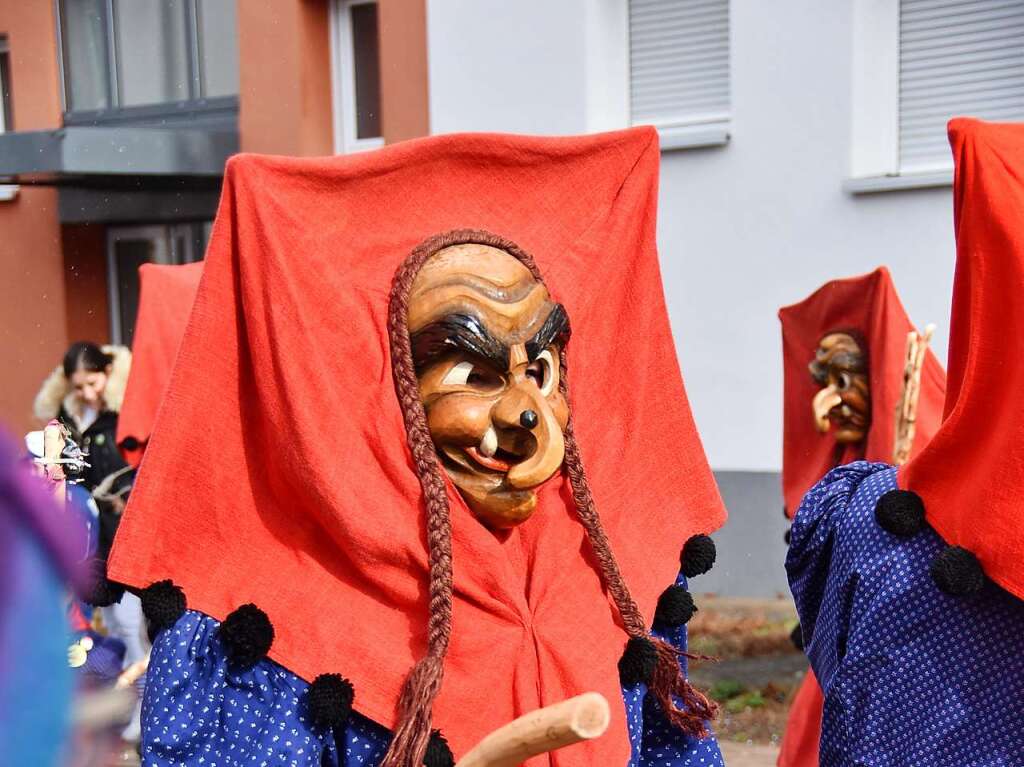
911,675
200,710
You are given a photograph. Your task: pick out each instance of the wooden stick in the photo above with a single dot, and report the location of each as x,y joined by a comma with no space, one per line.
546,729
906,409
132,674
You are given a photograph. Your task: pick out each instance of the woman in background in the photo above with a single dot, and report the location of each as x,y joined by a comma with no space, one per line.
84,393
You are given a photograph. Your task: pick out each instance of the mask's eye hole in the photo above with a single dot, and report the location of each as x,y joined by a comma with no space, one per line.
542,371
843,381
476,376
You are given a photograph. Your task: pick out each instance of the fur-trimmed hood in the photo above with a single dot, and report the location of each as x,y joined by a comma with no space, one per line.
56,389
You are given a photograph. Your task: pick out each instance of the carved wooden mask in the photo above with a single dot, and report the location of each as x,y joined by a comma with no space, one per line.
486,338
840,366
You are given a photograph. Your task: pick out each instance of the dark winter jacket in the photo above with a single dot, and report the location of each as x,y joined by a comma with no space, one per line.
98,440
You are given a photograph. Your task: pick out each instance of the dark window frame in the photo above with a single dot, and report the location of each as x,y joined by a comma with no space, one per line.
195,106
6,103
178,243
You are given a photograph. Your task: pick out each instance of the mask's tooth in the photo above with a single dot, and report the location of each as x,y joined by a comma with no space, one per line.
489,443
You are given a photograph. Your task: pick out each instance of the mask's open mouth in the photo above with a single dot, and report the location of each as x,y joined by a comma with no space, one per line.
500,461
494,454
844,415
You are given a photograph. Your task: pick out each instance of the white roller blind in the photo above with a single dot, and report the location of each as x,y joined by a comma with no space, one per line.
957,57
679,61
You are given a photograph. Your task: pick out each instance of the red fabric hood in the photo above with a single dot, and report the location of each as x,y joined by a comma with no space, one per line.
278,471
971,475
868,304
166,295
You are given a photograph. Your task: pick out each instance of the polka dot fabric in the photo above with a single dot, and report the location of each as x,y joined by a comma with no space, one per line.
199,710
911,676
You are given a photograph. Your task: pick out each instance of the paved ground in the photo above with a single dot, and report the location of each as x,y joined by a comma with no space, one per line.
744,755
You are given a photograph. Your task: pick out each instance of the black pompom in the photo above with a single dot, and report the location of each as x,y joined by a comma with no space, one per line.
330,700
900,512
957,572
162,604
675,607
698,556
438,753
247,635
638,661
98,590
796,636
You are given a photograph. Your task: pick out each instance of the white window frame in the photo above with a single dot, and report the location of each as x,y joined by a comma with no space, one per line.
343,81
695,132
875,128
8,192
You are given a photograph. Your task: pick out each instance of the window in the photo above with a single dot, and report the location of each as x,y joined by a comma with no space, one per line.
120,54
218,48
679,69
6,123
956,59
128,248
151,52
85,58
356,71
7,191
919,63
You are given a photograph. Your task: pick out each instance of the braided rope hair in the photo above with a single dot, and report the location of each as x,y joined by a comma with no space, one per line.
685,707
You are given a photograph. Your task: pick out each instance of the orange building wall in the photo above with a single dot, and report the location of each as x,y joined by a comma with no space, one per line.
33,315
405,109
285,77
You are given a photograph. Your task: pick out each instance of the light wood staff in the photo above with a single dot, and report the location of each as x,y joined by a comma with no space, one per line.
546,729
132,674
906,408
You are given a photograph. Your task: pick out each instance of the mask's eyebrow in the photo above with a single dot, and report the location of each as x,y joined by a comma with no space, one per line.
457,331
555,330
851,361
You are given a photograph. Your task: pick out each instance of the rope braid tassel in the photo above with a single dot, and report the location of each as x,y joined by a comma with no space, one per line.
684,706
412,733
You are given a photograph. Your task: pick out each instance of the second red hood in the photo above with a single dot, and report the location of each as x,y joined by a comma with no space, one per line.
868,304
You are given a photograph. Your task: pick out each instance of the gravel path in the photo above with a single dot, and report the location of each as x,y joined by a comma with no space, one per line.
744,755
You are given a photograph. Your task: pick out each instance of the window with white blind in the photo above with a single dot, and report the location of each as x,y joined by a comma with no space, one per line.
920,63
679,69
956,58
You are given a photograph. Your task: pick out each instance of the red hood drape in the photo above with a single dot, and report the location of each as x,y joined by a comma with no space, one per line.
868,304
166,295
971,474
278,471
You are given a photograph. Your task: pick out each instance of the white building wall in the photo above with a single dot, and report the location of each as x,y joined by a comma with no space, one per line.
744,228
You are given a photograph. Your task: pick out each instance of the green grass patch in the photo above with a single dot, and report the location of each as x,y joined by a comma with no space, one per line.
724,689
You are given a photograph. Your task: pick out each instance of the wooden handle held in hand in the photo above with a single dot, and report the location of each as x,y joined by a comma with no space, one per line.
581,718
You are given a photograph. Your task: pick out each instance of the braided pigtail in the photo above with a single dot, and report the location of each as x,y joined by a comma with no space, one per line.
684,707
412,732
